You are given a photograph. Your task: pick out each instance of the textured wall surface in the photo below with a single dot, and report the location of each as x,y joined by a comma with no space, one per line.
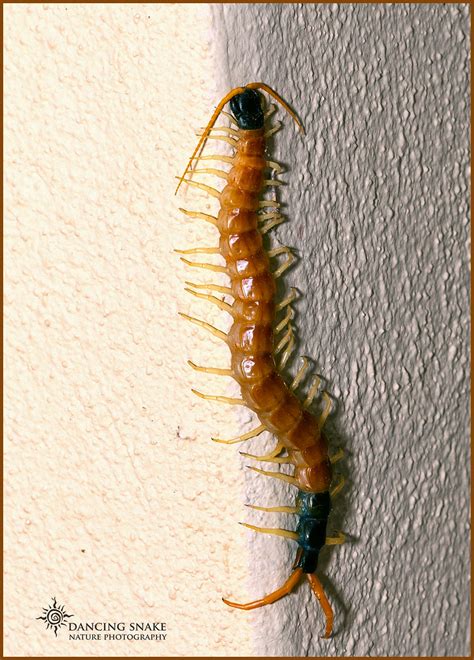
378,211
117,503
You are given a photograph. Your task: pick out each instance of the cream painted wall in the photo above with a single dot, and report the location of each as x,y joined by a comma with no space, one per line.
117,503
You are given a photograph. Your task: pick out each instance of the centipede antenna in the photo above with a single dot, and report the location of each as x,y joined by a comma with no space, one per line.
269,90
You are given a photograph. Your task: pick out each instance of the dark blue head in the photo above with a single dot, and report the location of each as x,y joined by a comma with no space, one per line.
247,109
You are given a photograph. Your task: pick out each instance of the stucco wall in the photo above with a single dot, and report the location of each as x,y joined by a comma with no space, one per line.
377,198
116,501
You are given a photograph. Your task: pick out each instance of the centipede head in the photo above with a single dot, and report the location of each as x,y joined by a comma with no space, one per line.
248,105
247,109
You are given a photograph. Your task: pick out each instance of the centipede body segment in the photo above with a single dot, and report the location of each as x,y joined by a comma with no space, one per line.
260,342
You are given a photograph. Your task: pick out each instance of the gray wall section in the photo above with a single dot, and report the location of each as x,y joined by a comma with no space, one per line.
377,205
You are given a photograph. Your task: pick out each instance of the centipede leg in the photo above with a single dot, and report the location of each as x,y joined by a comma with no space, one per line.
211,370
221,157
200,216
290,259
284,340
337,456
199,250
288,300
221,399
276,475
222,174
335,540
318,590
272,223
337,489
207,326
270,457
202,186
273,509
273,130
211,287
300,373
285,321
230,117
242,438
313,390
271,530
326,411
219,303
197,264
270,598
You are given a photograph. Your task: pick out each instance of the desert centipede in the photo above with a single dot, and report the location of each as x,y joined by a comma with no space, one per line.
256,340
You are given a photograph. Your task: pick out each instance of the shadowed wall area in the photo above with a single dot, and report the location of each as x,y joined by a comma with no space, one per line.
377,205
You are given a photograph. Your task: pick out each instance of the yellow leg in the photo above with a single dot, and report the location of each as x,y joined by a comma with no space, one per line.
202,186
204,296
267,459
270,530
285,321
225,129
271,456
326,411
269,112
290,259
313,390
211,370
230,117
197,264
273,509
288,350
336,540
273,130
272,223
201,216
266,203
214,331
271,598
300,373
222,138
275,166
337,489
221,399
337,456
211,287
199,250
273,182
284,340
262,217
243,437
222,174
276,475
224,159
288,300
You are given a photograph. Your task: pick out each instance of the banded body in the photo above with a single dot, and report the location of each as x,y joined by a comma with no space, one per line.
253,340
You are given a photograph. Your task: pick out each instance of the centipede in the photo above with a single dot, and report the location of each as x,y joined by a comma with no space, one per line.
261,338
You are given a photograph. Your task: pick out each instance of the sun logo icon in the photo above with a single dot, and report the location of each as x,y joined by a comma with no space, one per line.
54,616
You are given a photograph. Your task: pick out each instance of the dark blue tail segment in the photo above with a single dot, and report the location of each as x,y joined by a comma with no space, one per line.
313,510
247,110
